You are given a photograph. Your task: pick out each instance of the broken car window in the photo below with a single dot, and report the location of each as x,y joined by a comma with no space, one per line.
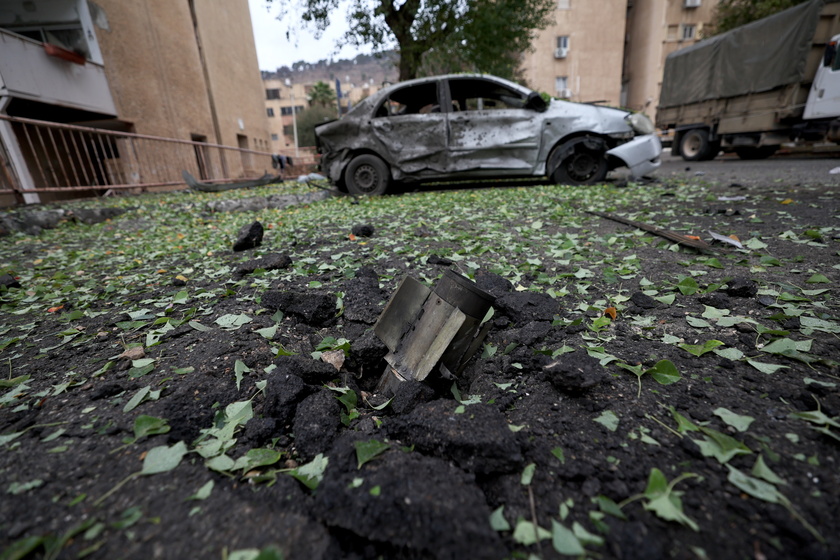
421,98
470,94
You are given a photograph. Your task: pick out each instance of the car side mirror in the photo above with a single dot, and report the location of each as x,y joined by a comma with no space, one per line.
536,102
830,52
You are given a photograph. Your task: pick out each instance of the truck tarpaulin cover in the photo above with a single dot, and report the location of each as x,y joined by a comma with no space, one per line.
756,57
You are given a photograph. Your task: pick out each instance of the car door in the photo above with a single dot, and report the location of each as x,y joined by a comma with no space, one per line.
410,130
490,128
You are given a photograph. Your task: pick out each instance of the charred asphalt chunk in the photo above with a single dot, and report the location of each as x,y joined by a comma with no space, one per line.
642,300
409,395
272,261
316,424
477,440
283,392
741,287
442,514
524,307
9,281
317,310
363,230
492,283
575,372
362,297
311,372
249,236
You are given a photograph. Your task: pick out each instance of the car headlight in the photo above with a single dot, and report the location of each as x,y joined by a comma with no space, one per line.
641,123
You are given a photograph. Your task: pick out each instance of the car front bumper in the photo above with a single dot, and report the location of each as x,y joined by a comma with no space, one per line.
641,154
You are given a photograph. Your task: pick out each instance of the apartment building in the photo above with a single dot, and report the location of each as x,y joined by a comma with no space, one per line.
176,70
284,100
579,57
613,51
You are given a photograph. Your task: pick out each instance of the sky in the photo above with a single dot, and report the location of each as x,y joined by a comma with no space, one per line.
273,50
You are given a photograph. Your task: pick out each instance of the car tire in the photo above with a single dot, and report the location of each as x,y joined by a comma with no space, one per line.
582,162
696,146
762,152
367,175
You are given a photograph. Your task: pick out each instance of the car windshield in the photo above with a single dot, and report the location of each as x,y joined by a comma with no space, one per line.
475,94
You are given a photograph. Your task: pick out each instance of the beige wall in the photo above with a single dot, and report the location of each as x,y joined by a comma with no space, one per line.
596,45
654,30
231,56
155,70
617,49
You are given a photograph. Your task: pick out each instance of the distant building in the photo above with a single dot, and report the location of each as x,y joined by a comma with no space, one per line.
613,51
183,70
284,99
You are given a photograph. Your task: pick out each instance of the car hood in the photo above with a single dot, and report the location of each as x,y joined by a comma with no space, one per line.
595,118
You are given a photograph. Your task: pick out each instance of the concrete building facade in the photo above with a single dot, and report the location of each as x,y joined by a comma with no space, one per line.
183,70
613,51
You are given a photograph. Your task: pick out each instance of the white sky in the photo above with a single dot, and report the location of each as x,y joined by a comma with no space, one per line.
273,50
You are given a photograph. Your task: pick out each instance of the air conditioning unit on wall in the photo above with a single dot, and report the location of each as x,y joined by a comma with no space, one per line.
564,93
692,3
561,53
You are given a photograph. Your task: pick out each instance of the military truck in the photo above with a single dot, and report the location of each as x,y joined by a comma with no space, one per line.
754,88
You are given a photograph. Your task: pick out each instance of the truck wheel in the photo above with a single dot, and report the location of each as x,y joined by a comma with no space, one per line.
696,146
582,162
761,152
367,175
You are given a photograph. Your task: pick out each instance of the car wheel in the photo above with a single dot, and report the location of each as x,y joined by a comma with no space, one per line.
762,152
696,146
582,162
366,175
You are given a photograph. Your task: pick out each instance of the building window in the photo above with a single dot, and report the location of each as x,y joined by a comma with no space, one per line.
269,111
561,84
564,4
288,130
688,32
673,32
288,110
275,137
563,42
272,94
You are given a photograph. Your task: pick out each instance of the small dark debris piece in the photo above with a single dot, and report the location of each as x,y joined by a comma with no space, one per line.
179,281
9,281
492,283
259,431
250,236
316,424
273,261
741,287
440,261
715,299
317,310
642,300
575,372
409,395
363,230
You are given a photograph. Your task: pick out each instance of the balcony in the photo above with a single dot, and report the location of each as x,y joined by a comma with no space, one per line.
28,72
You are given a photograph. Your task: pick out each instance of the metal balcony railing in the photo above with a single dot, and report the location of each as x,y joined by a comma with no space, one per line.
55,157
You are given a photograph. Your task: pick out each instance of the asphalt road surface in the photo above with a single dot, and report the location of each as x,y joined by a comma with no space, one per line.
791,170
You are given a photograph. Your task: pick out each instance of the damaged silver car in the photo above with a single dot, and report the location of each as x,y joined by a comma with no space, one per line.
473,126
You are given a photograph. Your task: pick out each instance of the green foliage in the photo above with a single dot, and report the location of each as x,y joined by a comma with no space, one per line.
322,94
730,14
309,118
434,36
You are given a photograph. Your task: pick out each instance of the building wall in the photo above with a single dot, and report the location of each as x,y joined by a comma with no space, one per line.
596,45
617,49
234,77
654,30
169,77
